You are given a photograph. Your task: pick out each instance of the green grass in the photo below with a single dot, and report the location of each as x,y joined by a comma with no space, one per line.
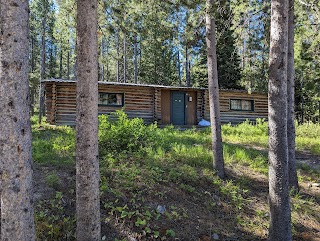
307,135
149,166
54,145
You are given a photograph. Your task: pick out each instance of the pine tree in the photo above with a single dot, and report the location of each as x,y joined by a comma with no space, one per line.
87,161
214,90
16,191
279,199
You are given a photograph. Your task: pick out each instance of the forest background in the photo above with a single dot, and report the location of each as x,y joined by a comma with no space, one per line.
163,42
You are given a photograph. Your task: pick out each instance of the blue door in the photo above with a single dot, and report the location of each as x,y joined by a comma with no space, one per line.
178,110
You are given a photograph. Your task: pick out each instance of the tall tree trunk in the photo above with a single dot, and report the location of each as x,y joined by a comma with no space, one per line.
293,178
87,162
179,69
187,68
118,57
68,64
214,90
302,100
135,59
124,58
102,55
42,68
16,191
279,199
43,49
32,54
60,66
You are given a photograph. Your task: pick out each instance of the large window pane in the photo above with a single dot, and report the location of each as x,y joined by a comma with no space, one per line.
238,104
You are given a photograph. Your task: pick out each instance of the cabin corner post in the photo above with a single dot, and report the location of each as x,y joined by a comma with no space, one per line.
41,101
204,105
157,105
199,114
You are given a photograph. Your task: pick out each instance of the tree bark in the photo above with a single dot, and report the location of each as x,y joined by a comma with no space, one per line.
43,49
214,90
16,191
43,67
135,59
124,58
32,54
293,178
87,162
60,65
118,57
279,199
187,68
179,68
68,64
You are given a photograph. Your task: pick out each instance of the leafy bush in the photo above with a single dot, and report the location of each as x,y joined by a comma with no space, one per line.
123,135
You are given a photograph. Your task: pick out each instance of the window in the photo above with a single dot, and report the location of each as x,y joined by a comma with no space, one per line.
111,99
245,105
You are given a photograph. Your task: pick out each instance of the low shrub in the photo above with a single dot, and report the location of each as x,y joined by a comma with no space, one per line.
120,134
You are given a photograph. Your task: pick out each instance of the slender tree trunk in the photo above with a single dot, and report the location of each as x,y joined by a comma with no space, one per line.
124,58
102,55
68,65
135,59
43,49
293,178
60,66
32,54
107,68
16,191
279,199
187,68
87,162
43,68
118,57
179,69
302,101
214,90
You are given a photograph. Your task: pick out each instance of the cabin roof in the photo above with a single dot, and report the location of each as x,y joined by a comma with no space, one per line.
146,85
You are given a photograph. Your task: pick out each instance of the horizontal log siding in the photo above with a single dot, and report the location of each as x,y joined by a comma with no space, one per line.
157,106
200,104
50,102
149,103
138,102
234,117
66,103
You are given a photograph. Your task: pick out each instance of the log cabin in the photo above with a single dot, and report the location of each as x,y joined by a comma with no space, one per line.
153,103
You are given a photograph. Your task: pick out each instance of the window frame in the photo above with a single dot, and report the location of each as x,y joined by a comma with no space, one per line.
252,105
112,105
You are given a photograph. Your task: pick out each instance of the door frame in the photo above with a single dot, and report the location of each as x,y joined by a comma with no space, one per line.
185,105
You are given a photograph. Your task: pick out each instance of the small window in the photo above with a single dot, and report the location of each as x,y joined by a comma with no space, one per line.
111,99
244,105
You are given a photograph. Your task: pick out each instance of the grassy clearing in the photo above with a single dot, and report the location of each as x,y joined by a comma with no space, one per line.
159,184
307,135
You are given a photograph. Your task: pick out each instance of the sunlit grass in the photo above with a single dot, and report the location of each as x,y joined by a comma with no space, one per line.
307,135
167,160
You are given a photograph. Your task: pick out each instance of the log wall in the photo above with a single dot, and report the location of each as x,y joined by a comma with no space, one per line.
61,106
234,116
150,103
